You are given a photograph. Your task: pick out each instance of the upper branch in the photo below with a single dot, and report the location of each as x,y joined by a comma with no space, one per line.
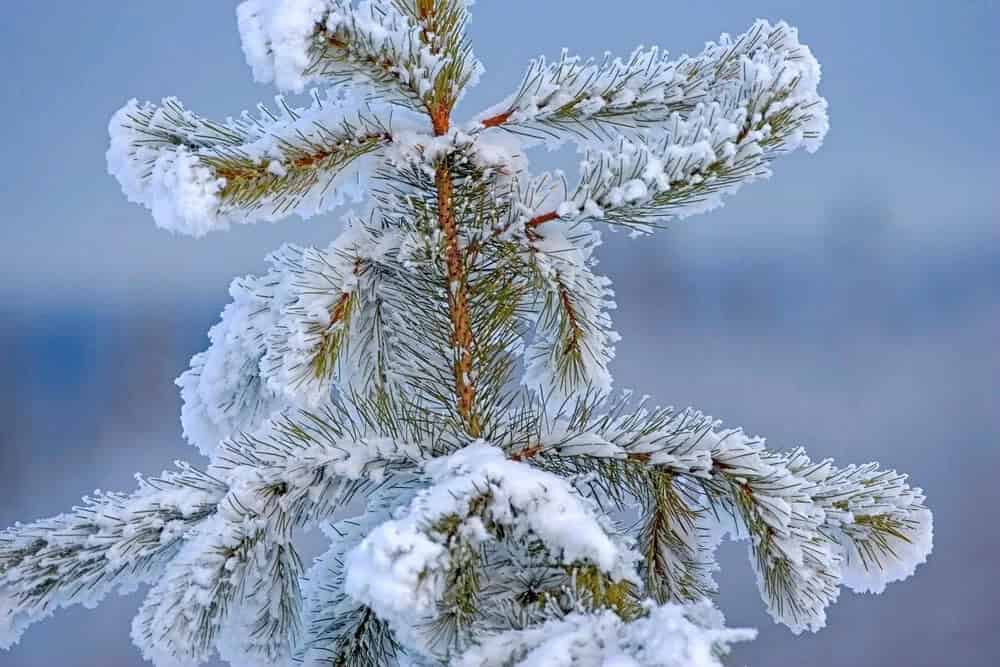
197,175
587,100
413,51
762,103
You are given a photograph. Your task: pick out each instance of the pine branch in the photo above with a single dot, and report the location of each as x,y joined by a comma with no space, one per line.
475,494
296,472
880,521
196,175
285,340
413,52
112,542
574,341
305,347
798,515
677,553
341,632
238,383
588,99
765,105
798,568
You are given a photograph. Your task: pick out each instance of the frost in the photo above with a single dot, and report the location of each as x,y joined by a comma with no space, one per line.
224,393
279,342
294,43
588,100
903,554
277,36
668,636
883,528
574,339
113,542
400,569
12,622
302,349
197,175
334,621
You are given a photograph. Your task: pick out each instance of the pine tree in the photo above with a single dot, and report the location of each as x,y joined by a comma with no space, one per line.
442,367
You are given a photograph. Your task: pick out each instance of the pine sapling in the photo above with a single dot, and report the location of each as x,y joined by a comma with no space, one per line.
432,390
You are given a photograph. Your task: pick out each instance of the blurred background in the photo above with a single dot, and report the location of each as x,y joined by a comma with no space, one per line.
850,304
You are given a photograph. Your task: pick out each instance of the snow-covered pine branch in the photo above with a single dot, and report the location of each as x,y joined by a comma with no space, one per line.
573,338
407,567
668,636
339,627
762,103
197,175
214,542
447,356
812,526
412,51
588,100
113,542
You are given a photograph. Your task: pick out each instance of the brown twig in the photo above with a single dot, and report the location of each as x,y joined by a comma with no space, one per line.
527,453
304,161
497,120
542,219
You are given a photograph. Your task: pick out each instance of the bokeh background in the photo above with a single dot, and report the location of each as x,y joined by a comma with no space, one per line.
850,304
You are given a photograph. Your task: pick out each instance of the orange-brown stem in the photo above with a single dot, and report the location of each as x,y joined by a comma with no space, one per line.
304,161
497,120
527,453
542,219
458,299
533,451
574,324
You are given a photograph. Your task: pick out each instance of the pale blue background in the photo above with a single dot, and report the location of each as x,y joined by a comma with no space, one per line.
850,304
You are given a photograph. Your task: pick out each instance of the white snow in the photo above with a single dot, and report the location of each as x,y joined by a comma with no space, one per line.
166,159
668,636
400,569
277,35
564,255
280,41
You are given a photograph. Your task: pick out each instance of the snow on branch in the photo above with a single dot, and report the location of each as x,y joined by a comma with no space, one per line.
340,630
112,542
224,392
281,341
590,100
763,103
665,636
812,527
879,520
574,340
217,544
234,587
414,52
404,569
197,175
